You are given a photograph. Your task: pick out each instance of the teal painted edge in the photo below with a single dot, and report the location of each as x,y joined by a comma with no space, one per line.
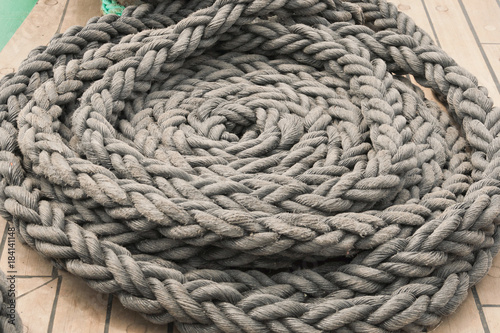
111,7
12,15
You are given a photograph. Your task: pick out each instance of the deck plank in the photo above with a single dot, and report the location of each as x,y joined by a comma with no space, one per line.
34,301
485,17
459,42
493,318
79,12
38,28
492,51
79,308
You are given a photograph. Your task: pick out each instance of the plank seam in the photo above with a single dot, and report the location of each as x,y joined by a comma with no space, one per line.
54,305
32,290
480,310
431,24
478,42
62,17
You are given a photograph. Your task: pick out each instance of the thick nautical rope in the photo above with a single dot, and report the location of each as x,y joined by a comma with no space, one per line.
256,166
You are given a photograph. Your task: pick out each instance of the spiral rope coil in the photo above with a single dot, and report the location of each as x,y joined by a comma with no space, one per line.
256,166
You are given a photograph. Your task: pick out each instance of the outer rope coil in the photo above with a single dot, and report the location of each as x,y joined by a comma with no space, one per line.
255,166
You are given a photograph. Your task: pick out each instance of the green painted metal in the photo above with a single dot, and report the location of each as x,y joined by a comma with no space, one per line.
12,15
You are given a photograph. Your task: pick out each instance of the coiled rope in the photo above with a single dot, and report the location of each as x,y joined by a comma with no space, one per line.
256,166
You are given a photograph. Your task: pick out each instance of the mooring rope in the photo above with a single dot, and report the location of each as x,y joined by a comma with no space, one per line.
256,166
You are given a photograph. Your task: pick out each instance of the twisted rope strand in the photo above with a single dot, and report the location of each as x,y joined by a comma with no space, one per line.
255,166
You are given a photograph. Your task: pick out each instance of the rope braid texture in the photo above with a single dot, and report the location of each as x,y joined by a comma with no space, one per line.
255,166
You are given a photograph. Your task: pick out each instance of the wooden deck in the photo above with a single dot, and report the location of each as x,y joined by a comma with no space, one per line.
51,300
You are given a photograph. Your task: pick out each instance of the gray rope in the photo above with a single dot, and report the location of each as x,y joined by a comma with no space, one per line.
256,166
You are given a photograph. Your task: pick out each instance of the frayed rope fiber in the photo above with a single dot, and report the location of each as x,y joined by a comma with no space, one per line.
256,166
